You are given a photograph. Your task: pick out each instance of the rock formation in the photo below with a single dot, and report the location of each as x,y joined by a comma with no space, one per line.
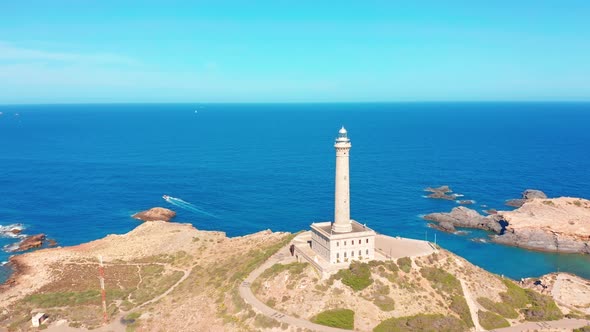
527,195
156,213
30,242
443,192
465,217
558,224
16,231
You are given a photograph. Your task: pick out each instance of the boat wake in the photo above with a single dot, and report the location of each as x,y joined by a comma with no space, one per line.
187,206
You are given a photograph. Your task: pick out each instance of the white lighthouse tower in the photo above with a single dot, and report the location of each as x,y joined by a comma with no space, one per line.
342,222
344,239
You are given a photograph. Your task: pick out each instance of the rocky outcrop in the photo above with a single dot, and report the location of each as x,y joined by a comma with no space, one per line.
443,192
444,226
156,213
557,224
465,217
30,242
527,195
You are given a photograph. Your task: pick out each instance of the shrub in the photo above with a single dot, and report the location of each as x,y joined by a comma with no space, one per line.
502,309
384,302
583,329
491,321
460,307
514,295
542,308
341,318
265,322
534,306
422,322
357,276
61,299
405,264
442,280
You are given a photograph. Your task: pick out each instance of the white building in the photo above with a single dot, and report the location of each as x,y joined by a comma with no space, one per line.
344,239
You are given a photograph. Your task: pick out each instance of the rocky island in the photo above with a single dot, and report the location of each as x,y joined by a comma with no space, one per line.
546,224
156,213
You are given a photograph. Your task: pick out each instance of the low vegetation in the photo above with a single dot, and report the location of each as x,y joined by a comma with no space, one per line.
405,264
442,280
263,321
500,308
357,276
340,318
460,307
384,302
449,285
422,323
534,306
489,320
583,329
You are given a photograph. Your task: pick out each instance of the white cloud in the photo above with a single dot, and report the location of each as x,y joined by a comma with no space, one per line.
11,52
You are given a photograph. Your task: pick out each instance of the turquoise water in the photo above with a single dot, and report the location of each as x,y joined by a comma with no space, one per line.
77,172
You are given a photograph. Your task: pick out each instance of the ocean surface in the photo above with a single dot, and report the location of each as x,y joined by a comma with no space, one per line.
78,172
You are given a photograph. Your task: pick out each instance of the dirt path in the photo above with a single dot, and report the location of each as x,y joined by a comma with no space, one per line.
472,305
157,298
248,296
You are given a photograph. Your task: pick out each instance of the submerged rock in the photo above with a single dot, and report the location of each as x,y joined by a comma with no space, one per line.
442,192
156,213
466,202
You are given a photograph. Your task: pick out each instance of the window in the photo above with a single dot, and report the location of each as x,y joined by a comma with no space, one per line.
367,240
337,244
337,255
344,242
360,254
367,251
345,255
352,254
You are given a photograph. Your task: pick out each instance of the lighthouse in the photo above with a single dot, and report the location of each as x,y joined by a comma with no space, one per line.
342,240
342,222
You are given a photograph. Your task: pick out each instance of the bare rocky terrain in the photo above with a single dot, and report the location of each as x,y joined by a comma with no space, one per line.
162,276
546,224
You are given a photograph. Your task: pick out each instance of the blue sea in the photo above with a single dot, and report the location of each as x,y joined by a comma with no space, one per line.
78,172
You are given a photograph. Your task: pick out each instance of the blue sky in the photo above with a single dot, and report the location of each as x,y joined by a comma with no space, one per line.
293,51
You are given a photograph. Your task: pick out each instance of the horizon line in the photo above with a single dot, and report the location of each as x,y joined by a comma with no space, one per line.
298,102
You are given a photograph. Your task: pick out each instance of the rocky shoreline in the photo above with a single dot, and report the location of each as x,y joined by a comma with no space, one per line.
539,223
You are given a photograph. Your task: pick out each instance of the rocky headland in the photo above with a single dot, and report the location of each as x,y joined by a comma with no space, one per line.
558,224
546,224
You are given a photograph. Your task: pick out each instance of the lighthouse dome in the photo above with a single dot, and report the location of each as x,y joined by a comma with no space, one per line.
342,131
